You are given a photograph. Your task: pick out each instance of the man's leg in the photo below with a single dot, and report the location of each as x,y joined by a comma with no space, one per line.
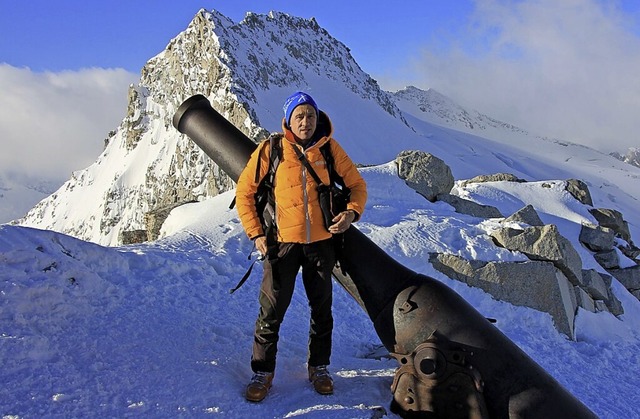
277,287
275,296
316,275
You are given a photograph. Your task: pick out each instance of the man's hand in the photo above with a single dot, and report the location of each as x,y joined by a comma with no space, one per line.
261,245
342,222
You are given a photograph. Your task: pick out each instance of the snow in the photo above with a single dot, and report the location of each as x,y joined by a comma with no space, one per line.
151,330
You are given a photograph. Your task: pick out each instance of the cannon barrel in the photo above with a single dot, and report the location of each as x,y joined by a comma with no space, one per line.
426,325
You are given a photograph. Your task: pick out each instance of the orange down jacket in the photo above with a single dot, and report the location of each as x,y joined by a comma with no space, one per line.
298,214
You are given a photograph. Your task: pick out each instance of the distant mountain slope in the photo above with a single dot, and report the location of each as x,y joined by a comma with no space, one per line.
434,107
19,193
632,156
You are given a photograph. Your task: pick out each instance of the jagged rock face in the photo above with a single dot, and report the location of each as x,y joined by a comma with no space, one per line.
284,60
148,165
633,156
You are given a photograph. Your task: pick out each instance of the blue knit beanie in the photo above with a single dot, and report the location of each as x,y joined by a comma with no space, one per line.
295,100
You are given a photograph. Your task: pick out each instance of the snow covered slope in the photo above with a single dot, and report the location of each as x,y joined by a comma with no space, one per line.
151,330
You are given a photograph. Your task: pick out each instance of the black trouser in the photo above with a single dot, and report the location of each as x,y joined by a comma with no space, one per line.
317,261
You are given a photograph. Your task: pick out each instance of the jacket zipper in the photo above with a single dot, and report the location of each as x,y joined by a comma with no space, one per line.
307,222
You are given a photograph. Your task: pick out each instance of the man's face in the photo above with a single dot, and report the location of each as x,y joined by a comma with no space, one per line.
303,122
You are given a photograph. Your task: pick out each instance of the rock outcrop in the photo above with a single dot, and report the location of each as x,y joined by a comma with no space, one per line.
553,279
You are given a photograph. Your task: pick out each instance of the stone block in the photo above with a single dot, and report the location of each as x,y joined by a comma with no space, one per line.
601,306
425,173
629,277
597,238
527,215
608,259
584,300
580,191
543,243
594,284
612,219
464,206
536,284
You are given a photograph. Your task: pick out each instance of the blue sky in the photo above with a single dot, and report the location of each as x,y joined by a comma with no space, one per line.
73,34
560,68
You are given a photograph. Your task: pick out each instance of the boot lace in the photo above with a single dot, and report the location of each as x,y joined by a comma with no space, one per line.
321,371
261,377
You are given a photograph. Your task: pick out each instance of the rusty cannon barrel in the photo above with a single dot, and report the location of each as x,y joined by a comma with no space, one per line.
453,363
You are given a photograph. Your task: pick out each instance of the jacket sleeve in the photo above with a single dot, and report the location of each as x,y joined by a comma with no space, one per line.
345,167
247,187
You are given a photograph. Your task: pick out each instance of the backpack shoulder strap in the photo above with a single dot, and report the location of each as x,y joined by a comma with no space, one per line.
265,200
275,155
263,145
275,141
328,158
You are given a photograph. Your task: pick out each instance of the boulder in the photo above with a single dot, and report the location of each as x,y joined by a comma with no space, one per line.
496,177
536,284
425,173
597,238
579,190
631,251
544,243
629,277
593,283
613,305
608,259
584,300
526,215
612,219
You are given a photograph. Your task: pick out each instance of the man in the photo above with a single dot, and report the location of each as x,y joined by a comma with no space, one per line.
302,238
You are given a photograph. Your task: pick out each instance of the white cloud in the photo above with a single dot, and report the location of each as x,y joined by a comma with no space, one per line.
55,123
567,69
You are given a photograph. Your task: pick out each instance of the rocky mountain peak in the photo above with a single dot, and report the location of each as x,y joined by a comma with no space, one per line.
147,165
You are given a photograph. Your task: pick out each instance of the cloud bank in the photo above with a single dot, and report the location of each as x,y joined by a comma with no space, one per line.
55,123
566,69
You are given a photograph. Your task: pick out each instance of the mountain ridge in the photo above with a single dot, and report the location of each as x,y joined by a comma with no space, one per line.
246,69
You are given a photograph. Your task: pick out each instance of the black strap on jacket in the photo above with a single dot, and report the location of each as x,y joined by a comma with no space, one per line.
306,163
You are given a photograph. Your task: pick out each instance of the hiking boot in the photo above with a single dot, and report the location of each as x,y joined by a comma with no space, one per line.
259,386
321,379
